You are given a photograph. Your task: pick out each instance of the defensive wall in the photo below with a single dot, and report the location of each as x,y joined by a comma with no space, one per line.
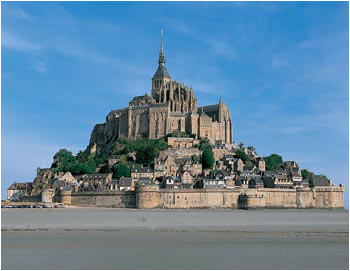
149,197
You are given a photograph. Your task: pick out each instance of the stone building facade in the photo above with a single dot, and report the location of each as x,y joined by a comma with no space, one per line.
171,107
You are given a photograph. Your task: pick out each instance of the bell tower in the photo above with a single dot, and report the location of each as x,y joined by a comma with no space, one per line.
161,77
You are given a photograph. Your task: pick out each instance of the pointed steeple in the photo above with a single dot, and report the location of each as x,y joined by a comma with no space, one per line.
161,78
161,59
220,101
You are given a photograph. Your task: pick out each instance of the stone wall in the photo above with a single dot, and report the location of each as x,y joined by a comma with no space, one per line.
116,199
149,197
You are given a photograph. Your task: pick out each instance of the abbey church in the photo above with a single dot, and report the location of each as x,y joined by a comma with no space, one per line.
171,107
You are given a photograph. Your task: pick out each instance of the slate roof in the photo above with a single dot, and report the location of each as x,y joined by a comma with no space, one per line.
144,180
225,173
161,72
58,183
181,161
20,186
269,182
320,180
238,182
248,168
93,176
281,177
124,182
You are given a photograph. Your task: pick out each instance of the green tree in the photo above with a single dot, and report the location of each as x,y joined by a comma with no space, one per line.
63,159
204,144
273,162
146,154
121,170
307,175
242,155
208,159
241,145
105,169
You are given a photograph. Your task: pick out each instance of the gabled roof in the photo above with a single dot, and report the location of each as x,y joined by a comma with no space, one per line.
248,168
181,161
124,182
20,186
320,180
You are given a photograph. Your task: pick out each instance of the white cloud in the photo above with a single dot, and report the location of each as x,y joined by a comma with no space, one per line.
16,12
12,41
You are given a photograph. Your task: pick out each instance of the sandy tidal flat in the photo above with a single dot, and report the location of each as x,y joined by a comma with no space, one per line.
96,238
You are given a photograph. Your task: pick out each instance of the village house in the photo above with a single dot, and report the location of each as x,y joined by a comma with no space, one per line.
256,182
67,177
16,190
248,170
260,163
137,173
125,184
143,181
186,179
165,166
295,178
100,180
171,182
219,151
238,165
282,181
113,185
213,183
180,142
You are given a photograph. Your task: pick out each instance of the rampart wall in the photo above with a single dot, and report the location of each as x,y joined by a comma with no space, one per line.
149,197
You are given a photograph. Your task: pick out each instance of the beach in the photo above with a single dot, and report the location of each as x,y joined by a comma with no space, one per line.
102,238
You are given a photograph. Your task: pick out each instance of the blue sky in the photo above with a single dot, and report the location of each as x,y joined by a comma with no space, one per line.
281,67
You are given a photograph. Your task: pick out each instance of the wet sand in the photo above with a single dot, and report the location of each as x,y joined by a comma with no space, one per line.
96,238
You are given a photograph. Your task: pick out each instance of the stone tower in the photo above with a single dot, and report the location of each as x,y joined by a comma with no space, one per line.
161,77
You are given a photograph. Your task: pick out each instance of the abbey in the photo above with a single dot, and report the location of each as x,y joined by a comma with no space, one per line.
171,107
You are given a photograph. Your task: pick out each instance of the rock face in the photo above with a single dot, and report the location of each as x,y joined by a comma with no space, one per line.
171,107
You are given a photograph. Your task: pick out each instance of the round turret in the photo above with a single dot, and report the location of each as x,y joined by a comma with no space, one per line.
147,196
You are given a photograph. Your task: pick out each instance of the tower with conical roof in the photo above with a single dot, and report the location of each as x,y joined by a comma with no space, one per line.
161,77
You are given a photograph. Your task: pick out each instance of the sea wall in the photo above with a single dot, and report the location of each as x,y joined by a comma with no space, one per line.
116,199
149,197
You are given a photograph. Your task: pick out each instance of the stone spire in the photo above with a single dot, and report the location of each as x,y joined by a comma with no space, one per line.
161,77
161,59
